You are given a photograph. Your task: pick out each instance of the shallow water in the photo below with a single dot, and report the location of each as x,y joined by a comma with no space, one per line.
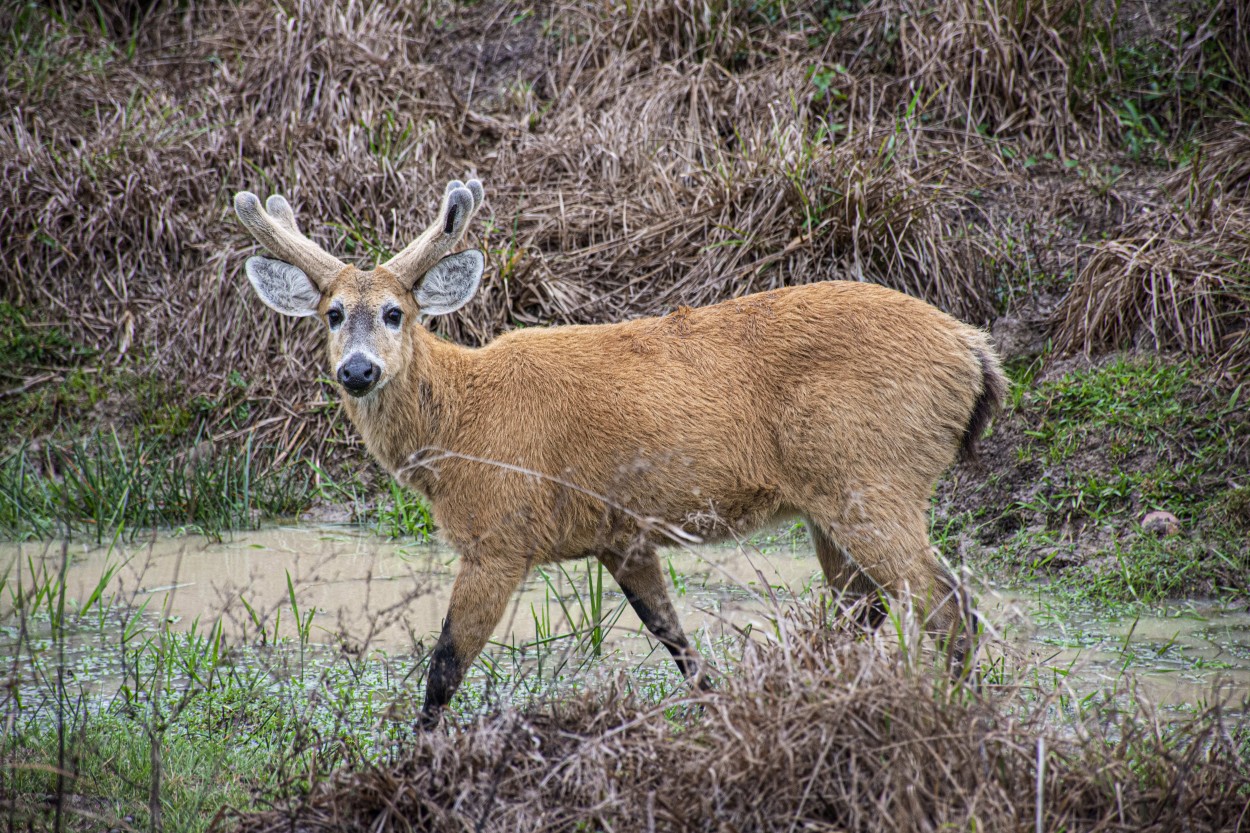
371,593
1189,653
383,594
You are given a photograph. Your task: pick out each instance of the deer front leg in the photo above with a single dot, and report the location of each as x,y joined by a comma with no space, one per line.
638,573
479,598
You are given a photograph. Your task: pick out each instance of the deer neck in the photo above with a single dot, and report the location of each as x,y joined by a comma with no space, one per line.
413,415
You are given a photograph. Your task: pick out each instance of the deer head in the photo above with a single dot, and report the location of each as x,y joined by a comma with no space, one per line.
372,316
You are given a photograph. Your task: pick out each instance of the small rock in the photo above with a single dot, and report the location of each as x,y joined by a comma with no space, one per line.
1161,523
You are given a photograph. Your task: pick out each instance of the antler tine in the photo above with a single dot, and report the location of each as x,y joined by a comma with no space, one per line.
461,200
274,228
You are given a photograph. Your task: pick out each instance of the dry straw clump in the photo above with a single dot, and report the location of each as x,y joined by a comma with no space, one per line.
1179,272
1008,69
819,731
658,185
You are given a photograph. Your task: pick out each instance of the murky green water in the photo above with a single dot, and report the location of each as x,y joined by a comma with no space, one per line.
381,594
369,593
1190,653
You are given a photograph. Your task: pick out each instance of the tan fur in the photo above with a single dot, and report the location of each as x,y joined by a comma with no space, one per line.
842,402
839,402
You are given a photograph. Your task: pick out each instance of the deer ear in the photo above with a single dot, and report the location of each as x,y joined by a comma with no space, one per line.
283,287
450,283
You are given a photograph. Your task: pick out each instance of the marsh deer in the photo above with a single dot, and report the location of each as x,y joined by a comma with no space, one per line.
840,403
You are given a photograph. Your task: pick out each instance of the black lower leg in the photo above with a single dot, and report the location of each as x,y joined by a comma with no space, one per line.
854,590
873,614
444,678
670,637
958,626
963,647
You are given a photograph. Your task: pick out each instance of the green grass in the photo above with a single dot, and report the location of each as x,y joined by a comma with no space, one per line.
1134,571
1160,101
111,767
1131,436
153,467
119,713
1233,507
41,374
58,396
35,42
189,723
25,343
233,728
402,514
1095,450
102,487
99,487
122,715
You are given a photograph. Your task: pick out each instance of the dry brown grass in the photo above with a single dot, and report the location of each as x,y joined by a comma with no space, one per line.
1179,272
1011,70
635,163
819,731
637,157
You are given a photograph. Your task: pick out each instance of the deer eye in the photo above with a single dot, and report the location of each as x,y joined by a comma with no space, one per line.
334,318
393,316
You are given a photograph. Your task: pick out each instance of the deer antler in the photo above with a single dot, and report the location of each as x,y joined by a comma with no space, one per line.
274,228
461,200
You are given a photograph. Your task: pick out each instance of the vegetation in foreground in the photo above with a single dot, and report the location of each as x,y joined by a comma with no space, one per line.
115,711
183,731
1100,201
637,158
816,730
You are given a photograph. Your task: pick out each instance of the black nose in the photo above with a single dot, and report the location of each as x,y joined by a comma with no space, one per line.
358,375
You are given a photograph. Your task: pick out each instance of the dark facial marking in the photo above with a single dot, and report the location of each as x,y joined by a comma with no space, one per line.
359,322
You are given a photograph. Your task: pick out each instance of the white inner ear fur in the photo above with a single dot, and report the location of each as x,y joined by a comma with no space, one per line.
450,283
283,287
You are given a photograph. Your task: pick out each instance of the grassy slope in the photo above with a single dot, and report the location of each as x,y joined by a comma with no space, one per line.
1083,454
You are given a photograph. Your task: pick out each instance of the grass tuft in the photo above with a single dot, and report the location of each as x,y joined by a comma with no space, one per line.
100,487
844,737
1178,276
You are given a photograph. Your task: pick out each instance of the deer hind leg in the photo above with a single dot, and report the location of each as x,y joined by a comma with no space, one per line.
889,542
637,571
479,598
853,587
